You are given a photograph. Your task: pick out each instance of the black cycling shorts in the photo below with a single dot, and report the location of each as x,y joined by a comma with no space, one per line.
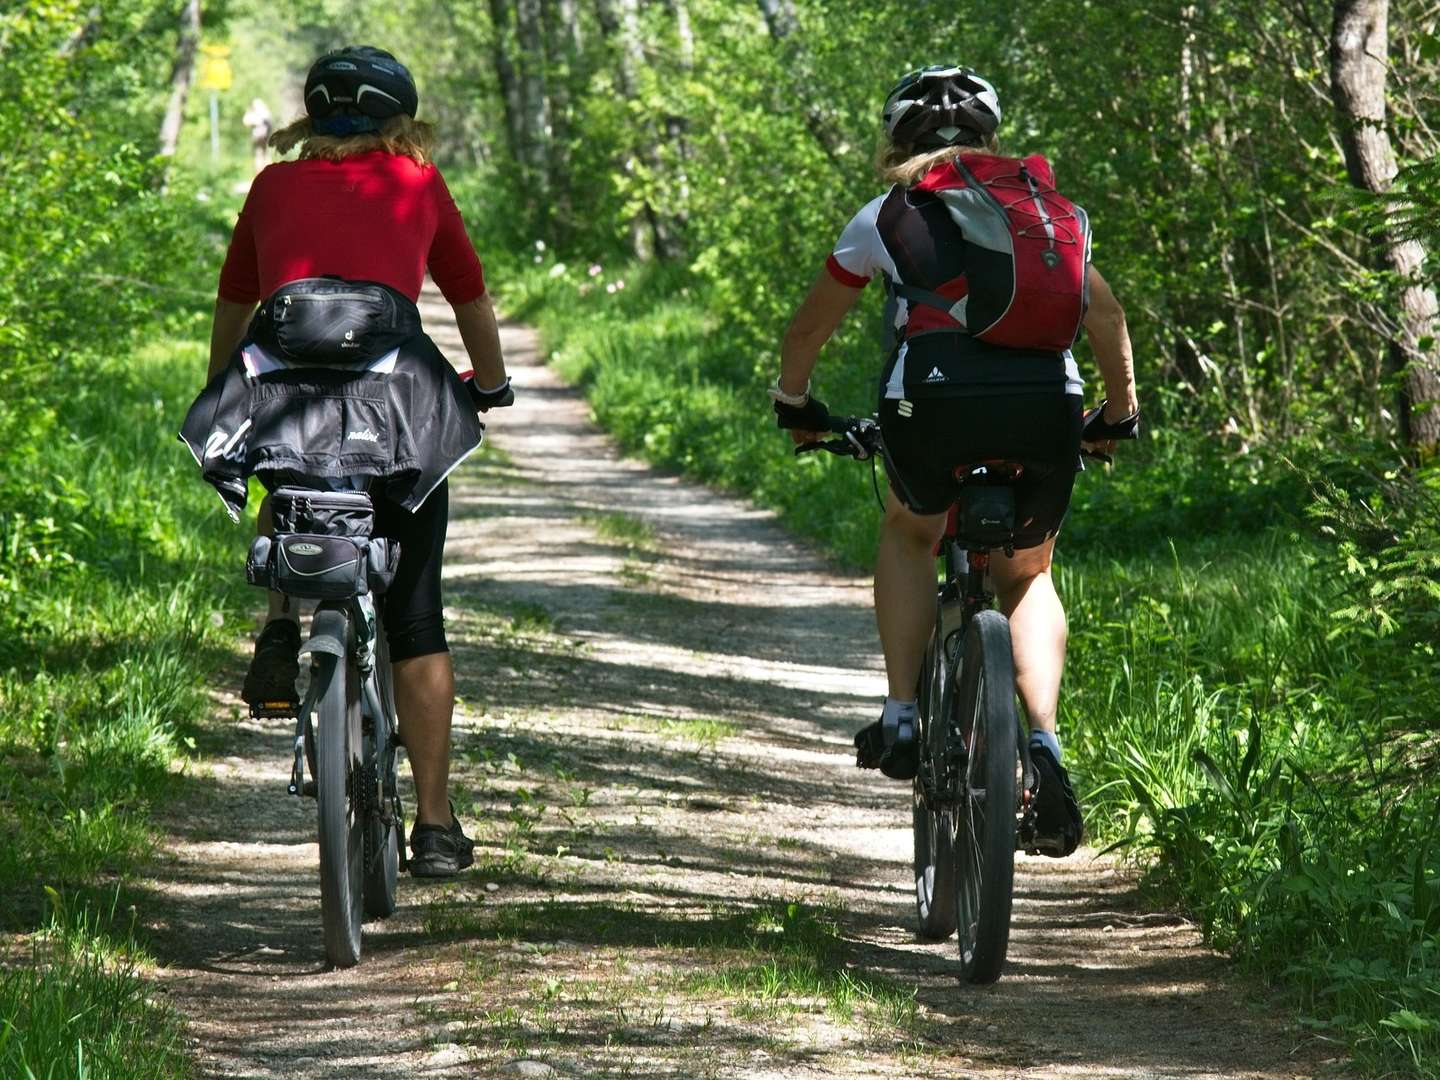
1040,430
413,610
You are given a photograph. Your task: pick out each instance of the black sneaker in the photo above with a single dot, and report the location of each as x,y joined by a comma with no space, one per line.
276,665
899,762
1059,827
438,851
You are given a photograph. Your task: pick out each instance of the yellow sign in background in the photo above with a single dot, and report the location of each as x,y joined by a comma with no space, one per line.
215,71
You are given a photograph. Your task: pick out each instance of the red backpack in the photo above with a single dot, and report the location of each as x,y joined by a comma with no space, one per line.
1024,286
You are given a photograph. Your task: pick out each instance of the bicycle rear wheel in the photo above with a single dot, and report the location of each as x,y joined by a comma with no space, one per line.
342,840
933,817
985,838
382,841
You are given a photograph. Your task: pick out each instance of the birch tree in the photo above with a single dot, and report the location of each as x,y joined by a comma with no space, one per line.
182,74
1359,49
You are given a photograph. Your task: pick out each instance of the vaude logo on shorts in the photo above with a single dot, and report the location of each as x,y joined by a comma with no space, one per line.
936,375
305,549
364,436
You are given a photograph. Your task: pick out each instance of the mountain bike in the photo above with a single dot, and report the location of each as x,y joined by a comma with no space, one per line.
973,795
345,729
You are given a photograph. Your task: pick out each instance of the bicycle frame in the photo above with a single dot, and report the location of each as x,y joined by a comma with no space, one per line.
965,584
349,630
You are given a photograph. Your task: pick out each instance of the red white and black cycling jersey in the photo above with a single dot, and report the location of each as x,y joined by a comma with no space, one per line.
908,236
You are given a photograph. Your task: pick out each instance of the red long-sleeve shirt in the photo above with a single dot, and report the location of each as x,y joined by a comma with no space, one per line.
371,217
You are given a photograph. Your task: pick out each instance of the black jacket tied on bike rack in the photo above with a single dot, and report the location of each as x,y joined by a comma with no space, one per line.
343,384
322,548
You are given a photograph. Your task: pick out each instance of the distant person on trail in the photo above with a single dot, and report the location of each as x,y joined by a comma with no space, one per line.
357,220
948,398
257,118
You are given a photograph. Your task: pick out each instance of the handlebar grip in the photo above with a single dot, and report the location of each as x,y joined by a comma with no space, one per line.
834,446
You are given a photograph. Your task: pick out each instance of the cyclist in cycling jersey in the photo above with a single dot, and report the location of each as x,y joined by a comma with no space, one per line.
364,202
946,399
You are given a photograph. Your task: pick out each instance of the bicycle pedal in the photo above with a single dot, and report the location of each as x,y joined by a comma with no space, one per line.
274,710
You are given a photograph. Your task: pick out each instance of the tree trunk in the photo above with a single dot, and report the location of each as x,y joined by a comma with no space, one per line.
782,23
1359,47
562,55
534,118
779,17
505,76
620,23
676,125
181,75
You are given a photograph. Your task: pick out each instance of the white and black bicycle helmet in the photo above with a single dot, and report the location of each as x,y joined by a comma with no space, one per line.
941,105
354,89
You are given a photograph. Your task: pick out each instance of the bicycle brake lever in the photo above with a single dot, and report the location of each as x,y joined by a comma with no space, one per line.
862,452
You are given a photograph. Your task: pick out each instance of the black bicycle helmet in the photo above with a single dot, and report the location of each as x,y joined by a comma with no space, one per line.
941,105
352,89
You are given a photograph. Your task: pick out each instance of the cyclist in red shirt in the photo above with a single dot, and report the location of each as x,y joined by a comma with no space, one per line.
364,202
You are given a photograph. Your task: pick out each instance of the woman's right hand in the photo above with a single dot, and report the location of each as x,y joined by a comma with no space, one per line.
1106,424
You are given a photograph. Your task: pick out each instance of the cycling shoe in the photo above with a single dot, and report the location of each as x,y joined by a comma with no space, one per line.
276,665
438,851
1059,827
899,761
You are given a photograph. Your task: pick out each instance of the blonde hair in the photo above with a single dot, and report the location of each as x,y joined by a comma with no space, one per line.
906,166
397,135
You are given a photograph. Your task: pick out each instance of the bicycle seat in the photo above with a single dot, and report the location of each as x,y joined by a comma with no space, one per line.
989,471
983,515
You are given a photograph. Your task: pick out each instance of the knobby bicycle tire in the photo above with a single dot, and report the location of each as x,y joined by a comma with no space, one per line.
985,840
934,826
341,831
382,841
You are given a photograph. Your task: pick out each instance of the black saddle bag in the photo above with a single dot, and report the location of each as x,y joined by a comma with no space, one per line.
987,516
323,547
329,320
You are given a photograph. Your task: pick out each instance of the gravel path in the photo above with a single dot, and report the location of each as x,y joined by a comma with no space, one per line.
682,873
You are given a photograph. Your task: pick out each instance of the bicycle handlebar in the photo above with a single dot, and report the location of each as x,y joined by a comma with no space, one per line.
860,439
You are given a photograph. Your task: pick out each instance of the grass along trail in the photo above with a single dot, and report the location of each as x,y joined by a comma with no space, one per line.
680,871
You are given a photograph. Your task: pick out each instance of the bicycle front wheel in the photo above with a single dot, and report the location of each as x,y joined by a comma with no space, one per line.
932,815
985,840
342,825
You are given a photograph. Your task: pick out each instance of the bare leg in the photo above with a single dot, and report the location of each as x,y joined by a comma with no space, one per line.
425,700
1037,628
905,592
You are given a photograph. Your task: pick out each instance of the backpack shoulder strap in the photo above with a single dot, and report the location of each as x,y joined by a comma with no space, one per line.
930,298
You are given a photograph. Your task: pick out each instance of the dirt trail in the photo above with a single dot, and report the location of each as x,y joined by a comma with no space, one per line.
682,874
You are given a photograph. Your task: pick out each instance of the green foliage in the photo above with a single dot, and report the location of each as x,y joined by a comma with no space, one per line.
115,605
81,1009
1204,151
1387,527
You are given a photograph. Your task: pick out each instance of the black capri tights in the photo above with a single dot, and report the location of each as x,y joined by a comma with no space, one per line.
413,610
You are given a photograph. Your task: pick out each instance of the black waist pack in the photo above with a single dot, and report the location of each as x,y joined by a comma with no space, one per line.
329,320
322,548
